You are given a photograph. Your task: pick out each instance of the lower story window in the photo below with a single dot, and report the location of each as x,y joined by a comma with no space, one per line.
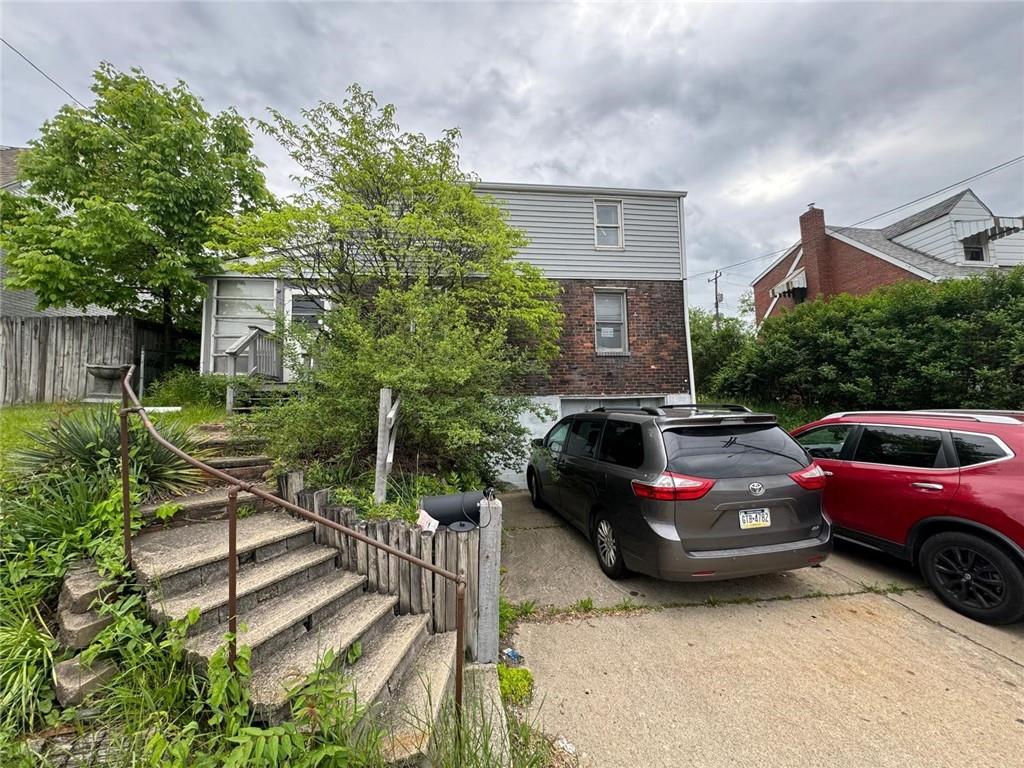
610,322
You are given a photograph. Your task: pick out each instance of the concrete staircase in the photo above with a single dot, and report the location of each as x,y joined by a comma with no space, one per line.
294,605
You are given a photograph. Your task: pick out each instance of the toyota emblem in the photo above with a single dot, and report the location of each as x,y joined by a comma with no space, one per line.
756,489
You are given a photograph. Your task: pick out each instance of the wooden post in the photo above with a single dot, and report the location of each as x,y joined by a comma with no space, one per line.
489,582
318,505
415,574
383,573
472,590
404,579
394,539
371,559
440,560
463,550
380,477
289,484
426,577
361,547
451,553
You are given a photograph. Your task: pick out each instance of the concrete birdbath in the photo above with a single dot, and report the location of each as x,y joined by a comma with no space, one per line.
105,383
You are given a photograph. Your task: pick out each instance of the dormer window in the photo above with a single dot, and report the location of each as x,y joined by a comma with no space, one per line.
974,253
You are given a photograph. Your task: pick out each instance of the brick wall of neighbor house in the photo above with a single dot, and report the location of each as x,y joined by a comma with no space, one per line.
763,287
855,272
656,362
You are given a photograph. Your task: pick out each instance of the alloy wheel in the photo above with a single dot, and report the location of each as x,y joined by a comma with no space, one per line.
969,577
606,548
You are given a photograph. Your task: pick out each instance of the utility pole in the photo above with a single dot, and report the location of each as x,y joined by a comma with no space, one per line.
718,296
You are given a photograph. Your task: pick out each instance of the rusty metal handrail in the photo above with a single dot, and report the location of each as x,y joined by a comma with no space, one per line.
130,404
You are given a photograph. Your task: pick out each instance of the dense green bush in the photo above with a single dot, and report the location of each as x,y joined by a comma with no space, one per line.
186,386
90,440
958,343
713,344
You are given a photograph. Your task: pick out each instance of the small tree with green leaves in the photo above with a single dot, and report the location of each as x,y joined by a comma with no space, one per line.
422,291
713,343
121,196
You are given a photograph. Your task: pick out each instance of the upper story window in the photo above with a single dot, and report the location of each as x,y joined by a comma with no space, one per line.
610,322
974,253
608,224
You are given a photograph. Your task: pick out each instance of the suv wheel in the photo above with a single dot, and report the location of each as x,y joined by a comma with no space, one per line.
534,485
609,554
974,577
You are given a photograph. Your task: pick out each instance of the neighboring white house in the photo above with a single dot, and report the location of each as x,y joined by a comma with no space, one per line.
957,237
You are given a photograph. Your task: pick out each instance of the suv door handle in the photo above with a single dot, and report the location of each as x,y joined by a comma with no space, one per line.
827,473
927,486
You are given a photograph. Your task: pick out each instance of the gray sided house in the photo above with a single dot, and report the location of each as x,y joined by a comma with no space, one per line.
619,257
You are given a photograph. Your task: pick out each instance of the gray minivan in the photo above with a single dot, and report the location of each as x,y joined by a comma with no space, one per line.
684,493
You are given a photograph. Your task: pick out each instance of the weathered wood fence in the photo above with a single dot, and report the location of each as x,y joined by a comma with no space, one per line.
44,358
419,591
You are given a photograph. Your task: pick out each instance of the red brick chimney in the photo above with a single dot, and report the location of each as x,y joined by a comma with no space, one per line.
815,260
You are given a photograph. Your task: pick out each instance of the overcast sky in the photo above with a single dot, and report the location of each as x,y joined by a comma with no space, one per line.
755,109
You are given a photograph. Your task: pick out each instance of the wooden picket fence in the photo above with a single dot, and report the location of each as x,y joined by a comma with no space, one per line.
418,591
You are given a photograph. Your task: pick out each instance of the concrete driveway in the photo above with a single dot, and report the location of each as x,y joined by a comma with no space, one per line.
850,664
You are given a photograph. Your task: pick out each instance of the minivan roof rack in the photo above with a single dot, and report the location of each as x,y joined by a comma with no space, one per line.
714,419
710,407
648,409
987,417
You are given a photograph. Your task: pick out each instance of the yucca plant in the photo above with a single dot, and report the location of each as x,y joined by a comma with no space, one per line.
91,440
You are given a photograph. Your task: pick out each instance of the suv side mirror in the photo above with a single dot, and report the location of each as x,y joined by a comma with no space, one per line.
537,442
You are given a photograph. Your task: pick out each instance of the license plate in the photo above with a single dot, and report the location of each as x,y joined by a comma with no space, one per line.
754,518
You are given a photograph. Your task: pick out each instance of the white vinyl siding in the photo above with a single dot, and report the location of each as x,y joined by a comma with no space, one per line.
560,229
235,305
936,238
1007,251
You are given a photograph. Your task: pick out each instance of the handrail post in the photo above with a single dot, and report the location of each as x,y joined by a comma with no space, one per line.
460,639
232,575
126,499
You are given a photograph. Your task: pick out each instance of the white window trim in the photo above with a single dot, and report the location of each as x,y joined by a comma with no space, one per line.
621,227
624,350
985,254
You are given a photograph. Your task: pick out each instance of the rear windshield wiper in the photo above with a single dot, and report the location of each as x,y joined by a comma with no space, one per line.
733,441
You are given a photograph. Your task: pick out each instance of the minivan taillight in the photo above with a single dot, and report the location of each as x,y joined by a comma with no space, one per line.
812,477
671,486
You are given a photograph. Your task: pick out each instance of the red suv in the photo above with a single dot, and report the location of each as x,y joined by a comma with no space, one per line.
943,489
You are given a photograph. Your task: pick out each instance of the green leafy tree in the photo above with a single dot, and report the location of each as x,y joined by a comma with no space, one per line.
713,344
959,343
120,199
422,290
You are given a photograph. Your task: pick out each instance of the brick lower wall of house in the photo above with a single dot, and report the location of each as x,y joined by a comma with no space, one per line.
851,271
856,272
657,361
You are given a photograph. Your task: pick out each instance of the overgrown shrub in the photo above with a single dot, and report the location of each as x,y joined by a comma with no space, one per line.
958,343
90,440
186,386
713,344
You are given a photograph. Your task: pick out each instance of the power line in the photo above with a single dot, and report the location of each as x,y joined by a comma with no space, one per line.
978,175
986,172
70,95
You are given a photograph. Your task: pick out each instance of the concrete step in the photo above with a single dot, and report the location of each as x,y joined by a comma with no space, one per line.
217,427
413,710
234,462
197,507
82,586
368,618
273,624
222,443
76,681
256,583
378,672
189,556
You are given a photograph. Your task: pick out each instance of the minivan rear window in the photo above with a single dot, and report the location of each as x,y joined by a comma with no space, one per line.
732,451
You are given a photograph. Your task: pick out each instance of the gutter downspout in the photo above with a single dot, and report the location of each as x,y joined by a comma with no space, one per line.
686,303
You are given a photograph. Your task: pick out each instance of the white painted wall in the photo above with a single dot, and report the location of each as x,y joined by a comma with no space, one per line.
936,238
1008,251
